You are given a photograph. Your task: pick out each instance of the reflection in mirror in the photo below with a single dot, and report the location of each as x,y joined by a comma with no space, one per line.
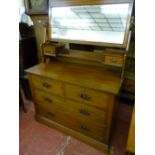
95,23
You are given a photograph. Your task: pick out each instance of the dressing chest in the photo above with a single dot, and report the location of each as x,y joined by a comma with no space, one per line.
77,99
75,91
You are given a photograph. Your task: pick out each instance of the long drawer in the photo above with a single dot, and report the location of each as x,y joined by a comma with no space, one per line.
89,96
77,110
48,85
67,120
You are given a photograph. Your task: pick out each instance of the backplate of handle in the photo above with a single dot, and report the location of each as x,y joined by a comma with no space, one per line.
50,113
85,96
84,112
46,85
48,100
83,127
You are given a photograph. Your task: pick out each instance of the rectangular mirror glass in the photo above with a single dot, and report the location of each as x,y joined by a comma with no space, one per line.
90,23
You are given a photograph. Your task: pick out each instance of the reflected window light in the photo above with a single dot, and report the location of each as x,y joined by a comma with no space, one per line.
97,23
121,9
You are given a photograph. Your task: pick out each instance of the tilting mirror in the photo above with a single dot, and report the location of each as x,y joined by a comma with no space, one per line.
106,24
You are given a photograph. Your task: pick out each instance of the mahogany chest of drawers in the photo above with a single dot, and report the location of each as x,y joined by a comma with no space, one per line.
76,99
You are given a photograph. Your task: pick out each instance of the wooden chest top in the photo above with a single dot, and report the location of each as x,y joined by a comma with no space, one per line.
83,75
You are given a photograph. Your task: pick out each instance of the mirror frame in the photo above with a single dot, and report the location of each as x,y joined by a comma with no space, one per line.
63,3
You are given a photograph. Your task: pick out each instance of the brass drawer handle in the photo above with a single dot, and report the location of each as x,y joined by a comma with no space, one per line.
84,112
48,100
50,113
85,96
46,85
84,128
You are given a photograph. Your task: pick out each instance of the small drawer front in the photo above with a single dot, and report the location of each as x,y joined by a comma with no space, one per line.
48,49
47,85
91,97
113,60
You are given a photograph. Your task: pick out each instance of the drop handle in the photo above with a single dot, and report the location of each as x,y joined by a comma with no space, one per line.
46,85
50,113
48,100
84,112
84,128
85,96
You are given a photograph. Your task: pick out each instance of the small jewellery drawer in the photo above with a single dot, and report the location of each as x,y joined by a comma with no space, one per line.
49,49
47,84
113,60
89,96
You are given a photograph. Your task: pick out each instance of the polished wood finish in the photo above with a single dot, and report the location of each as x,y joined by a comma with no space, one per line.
48,49
82,75
84,55
76,109
51,49
78,135
112,60
88,96
47,84
108,58
77,98
114,57
131,135
76,92
65,118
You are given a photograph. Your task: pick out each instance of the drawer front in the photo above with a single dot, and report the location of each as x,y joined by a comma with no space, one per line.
86,113
47,84
54,114
91,97
113,60
47,98
73,123
48,49
88,129
68,107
